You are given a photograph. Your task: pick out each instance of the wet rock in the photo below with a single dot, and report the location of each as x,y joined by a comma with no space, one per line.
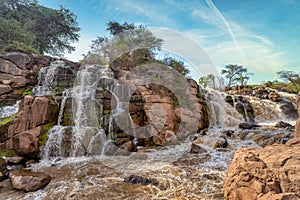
16,160
264,173
2,176
6,186
228,133
246,125
139,156
170,137
2,164
282,124
129,146
289,110
221,143
196,149
134,179
28,181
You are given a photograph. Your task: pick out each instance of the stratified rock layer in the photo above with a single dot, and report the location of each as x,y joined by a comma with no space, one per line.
269,173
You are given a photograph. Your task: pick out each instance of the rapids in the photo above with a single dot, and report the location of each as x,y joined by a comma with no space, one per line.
83,172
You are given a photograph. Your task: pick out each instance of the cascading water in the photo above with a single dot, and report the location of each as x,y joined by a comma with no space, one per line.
8,111
47,81
86,137
221,113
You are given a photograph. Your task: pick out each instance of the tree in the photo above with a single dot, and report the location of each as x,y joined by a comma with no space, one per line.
26,23
236,73
176,64
243,77
115,27
290,76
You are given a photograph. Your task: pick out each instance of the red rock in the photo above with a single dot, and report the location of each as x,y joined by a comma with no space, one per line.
28,181
264,173
4,89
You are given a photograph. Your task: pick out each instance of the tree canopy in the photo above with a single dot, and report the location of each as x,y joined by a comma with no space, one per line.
26,25
236,74
130,45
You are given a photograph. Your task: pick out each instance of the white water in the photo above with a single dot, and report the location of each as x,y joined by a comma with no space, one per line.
222,115
47,79
8,111
87,137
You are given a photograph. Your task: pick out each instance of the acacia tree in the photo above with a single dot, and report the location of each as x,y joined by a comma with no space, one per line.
243,77
236,73
290,76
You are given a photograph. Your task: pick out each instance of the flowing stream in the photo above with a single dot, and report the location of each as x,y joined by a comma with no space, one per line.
73,155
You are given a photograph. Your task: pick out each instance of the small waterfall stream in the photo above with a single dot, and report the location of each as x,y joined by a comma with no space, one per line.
86,137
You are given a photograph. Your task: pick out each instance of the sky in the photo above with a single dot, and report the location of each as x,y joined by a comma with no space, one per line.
262,36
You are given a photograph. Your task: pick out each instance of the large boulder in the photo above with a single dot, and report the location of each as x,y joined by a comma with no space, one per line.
26,133
28,181
269,173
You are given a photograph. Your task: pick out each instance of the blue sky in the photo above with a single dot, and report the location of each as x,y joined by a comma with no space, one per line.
208,34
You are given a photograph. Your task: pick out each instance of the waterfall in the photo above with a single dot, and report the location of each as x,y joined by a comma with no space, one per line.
86,137
221,113
8,111
47,79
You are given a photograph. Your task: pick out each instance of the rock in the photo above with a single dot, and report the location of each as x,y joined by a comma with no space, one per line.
134,179
228,133
264,173
16,160
2,164
289,110
170,137
282,124
221,143
246,125
197,149
6,186
129,146
139,156
28,181
2,176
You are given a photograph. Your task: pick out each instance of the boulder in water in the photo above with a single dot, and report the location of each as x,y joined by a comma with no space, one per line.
282,124
246,125
221,143
196,149
134,179
28,181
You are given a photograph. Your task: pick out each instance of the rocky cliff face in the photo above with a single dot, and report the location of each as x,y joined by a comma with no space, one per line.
297,128
269,173
159,113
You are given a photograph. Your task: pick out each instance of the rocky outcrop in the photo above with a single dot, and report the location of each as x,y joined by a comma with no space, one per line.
28,181
261,92
18,73
297,128
27,131
269,173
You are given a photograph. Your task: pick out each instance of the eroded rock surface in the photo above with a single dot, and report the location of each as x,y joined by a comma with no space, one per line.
269,173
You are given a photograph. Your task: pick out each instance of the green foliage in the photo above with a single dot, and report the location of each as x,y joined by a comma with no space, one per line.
291,78
7,153
236,74
176,64
44,136
28,92
130,46
5,120
27,26
282,86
